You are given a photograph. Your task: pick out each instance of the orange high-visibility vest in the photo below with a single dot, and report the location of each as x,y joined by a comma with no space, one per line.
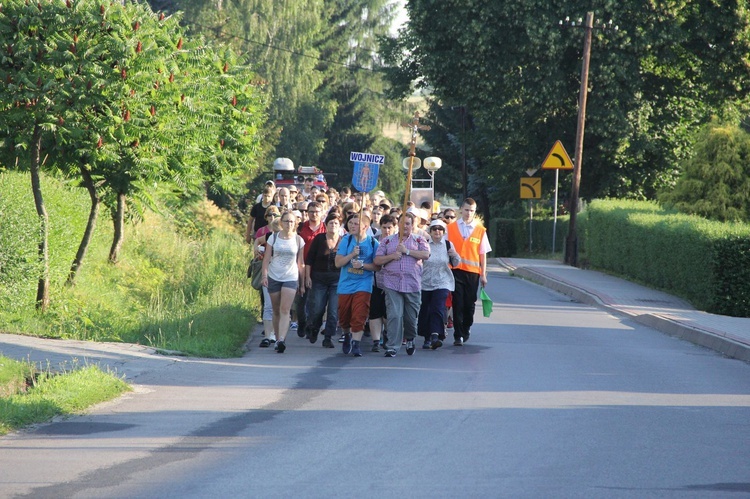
468,249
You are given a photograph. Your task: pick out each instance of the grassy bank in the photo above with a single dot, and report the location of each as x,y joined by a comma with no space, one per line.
174,288
28,396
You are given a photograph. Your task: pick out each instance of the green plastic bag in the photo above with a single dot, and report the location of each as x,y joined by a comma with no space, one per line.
486,303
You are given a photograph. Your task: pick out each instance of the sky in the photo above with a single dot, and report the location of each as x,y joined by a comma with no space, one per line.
401,16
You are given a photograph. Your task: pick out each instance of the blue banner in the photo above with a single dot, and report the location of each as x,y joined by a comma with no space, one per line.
365,176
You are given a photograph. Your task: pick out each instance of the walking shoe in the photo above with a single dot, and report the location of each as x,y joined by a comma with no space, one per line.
280,346
427,344
346,347
295,327
449,325
265,343
312,336
390,353
355,349
375,346
342,338
327,343
410,347
435,341
458,342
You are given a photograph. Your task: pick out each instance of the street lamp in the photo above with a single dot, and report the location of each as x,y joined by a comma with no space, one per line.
423,189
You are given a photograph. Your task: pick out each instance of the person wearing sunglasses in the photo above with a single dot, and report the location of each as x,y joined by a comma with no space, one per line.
449,216
437,283
257,213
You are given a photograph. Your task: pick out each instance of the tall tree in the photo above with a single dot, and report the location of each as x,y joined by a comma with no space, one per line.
715,182
353,80
278,36
125,98
651,82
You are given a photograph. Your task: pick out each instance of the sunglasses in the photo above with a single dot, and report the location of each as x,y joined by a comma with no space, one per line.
349,213
273,215
437,228
450,217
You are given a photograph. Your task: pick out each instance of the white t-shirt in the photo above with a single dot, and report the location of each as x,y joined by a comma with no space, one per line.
283,265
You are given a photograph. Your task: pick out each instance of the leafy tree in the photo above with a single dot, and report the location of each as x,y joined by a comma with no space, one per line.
121,96
353,79
279,38
715,182
651,83
50,73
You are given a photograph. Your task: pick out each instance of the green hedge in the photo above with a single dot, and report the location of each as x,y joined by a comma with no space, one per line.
703,261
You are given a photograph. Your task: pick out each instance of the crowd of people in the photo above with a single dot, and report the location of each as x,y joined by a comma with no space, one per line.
352,266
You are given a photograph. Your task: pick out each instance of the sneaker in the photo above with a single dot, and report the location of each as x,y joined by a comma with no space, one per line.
375,346
280,346
346,346
410,347
327,343
390,353
427,345
312,335
449,325
265,343
355,349
458,342
341,338
435,341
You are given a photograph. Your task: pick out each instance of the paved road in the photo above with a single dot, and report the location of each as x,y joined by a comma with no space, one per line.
550,398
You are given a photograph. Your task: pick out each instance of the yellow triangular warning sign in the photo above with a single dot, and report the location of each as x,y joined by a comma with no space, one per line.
557,159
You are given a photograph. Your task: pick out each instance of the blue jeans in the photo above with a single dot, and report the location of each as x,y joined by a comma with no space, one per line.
324,292
432,313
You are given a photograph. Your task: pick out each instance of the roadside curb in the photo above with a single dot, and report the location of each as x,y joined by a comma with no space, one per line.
671,326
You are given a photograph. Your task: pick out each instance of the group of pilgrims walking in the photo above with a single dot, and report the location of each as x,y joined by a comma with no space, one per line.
349,268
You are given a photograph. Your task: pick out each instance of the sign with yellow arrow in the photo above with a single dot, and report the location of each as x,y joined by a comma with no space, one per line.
557,159
531,187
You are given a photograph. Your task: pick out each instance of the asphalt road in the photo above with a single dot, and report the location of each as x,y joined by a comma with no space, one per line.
548,399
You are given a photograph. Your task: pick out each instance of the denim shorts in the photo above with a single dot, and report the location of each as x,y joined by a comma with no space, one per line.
275,286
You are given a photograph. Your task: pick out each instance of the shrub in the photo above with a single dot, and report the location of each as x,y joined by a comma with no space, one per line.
687,255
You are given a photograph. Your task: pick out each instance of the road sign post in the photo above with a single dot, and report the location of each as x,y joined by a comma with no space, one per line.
557,159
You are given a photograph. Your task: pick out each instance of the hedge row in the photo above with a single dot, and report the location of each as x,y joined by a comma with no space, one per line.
703,261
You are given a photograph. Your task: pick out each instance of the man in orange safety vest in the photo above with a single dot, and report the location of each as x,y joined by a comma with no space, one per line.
469,237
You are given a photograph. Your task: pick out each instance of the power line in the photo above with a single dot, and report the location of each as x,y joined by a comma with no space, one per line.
290,51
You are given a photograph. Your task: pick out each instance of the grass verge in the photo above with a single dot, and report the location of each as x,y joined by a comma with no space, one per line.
28,396
180,283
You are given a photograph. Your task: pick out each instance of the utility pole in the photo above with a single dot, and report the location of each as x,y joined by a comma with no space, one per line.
571,244
464,174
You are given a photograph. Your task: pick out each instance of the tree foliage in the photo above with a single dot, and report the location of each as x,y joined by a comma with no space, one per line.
117,92
517,72
319,62
715,182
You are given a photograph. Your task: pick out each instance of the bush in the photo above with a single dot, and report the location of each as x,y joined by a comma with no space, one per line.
686,255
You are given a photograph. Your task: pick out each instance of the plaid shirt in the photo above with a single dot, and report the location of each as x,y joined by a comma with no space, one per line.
404,275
